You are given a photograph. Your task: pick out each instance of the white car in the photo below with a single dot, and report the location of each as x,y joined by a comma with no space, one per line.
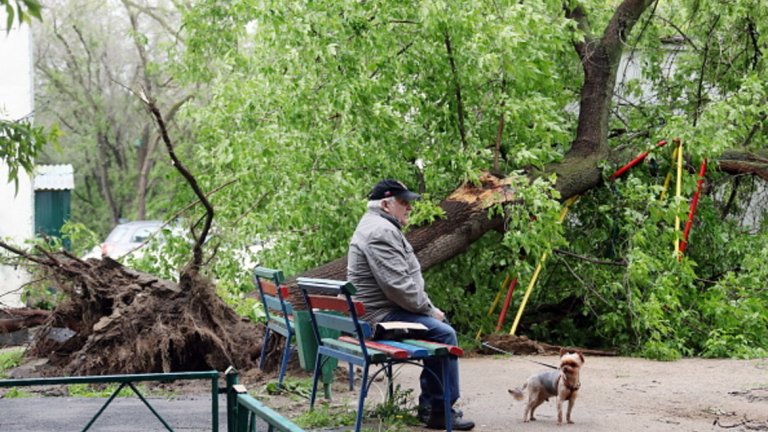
128,237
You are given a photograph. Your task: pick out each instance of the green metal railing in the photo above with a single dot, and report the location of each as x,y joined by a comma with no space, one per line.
243,410
128,380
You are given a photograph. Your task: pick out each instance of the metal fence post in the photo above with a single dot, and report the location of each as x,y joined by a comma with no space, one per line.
232,378
215,404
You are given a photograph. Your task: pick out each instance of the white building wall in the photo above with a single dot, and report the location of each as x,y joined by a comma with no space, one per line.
16,102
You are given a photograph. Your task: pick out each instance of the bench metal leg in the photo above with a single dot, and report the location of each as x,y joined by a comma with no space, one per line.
447,396
315,378
351,376
361,400
284,361
264,348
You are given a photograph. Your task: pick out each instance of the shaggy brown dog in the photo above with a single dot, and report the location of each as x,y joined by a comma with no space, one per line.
563,383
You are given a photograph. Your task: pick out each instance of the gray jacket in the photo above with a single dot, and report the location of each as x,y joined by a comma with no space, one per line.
383,267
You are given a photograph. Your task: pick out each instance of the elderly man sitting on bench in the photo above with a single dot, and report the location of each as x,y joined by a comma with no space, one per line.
382,265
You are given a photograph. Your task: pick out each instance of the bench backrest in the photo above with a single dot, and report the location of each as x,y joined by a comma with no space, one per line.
331,306
272,292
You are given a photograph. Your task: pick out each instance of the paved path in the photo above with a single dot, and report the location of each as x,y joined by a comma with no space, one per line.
618,394
186,413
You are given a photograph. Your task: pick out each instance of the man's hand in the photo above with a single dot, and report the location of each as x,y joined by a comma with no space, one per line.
438,314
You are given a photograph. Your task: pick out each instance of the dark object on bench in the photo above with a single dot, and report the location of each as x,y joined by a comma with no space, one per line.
342,313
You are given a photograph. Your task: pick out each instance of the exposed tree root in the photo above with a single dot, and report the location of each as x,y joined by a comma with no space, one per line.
125,321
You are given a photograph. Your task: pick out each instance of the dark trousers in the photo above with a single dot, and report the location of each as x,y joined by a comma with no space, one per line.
431,388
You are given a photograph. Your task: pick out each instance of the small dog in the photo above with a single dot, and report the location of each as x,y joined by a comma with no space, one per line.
563,383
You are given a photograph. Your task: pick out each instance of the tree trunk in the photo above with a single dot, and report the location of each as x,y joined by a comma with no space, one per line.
742,162
145,165
466,220
104,183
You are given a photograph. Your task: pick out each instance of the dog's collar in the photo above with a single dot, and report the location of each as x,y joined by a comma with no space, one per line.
568,385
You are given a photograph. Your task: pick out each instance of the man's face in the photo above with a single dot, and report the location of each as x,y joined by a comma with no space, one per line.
399,209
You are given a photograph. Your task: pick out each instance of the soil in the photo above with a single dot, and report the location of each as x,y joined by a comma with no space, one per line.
617,394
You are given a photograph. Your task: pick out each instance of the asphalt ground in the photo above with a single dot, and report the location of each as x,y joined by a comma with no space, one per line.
185,413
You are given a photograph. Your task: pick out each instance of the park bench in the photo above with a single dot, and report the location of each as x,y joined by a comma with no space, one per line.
335,309
280,319
278,311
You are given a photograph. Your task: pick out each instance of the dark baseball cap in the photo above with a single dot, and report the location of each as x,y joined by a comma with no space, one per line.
387,188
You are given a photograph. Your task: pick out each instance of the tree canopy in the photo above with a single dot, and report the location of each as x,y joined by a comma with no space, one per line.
302,107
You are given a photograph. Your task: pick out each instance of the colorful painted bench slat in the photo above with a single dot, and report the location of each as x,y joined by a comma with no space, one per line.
413,351
395,353
349,348
452,349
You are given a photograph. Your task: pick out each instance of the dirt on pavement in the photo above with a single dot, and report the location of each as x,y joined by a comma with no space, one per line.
617,394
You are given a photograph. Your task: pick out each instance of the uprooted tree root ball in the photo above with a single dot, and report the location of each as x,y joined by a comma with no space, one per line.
124,321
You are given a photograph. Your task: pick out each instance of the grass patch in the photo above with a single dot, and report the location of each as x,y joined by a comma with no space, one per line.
324,416
301,388
106,390
16,393
10,359
395,415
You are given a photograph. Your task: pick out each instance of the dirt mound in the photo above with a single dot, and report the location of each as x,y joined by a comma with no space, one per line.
124,321
521,345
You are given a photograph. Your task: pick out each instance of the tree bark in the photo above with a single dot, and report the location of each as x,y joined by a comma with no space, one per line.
742,162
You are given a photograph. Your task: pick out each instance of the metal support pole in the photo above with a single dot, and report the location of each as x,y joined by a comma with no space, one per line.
215,404
231,376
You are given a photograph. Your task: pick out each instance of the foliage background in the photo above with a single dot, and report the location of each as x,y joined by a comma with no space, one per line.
298,108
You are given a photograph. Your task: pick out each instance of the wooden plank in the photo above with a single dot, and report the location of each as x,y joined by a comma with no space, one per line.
413,350
341,323
270,289
343,287
278,324
434,349
393,352
374,356
268,273
335,303
452,349
273,303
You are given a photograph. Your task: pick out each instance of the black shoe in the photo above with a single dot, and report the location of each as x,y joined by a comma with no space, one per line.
424,413
437,421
